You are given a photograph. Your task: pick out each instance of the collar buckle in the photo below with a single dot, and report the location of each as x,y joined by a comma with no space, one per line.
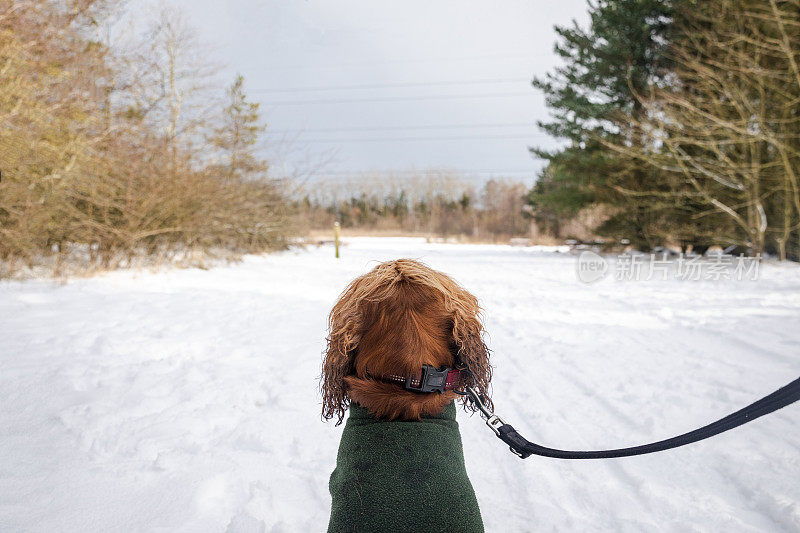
432,379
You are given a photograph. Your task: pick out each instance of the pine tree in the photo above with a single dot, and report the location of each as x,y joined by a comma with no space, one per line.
619,55
237,138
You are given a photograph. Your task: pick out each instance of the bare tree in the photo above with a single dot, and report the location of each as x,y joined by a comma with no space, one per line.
103,145
726,127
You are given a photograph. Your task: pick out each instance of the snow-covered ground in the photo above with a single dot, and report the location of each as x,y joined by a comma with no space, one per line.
186,400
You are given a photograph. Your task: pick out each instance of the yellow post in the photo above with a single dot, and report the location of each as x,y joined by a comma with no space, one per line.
336,238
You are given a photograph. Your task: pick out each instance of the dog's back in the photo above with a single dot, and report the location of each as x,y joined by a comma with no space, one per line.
402,476
400,465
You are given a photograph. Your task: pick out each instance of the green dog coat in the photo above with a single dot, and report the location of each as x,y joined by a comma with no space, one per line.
402,476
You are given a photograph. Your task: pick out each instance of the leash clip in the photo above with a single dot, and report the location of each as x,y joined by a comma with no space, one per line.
510,437
494,422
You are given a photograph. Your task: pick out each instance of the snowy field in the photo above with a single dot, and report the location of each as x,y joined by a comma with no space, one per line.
186,400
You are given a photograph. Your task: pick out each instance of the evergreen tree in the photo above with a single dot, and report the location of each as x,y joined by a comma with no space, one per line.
620,54
238,136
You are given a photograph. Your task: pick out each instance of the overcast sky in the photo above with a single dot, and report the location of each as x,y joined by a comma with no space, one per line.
393,85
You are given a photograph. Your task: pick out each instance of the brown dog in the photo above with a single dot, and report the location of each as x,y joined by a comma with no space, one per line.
392,321
402,338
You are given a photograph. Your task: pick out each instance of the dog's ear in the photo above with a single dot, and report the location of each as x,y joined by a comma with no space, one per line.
345,326
472,352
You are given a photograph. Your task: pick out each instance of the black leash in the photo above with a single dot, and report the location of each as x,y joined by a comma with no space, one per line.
522,447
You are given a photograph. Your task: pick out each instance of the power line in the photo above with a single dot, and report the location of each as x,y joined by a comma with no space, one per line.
398,98
399,128
356,173
394,139
383,62
387,85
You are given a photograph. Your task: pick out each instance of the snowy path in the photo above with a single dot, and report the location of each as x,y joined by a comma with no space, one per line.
186,400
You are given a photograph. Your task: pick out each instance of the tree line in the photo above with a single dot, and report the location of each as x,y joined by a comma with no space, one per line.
115,146
681,122
435,204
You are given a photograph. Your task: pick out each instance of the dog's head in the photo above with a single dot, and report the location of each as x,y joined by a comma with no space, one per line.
394,319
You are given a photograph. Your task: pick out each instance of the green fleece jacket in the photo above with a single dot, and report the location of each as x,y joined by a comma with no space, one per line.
402,476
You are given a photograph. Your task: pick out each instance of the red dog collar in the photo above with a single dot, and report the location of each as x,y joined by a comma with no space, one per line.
430,379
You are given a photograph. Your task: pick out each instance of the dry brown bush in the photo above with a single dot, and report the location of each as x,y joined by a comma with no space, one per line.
93,175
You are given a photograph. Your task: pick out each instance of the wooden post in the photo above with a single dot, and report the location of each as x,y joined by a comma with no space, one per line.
336,229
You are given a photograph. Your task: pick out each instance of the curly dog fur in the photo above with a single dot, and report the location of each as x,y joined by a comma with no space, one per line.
392,320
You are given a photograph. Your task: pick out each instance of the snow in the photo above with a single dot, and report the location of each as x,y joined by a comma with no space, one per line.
186,400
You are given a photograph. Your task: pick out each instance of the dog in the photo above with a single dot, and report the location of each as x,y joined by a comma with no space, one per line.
402,340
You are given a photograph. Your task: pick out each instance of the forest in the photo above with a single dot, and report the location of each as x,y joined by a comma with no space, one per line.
681,124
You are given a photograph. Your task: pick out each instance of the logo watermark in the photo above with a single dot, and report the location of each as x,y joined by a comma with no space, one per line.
591,267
